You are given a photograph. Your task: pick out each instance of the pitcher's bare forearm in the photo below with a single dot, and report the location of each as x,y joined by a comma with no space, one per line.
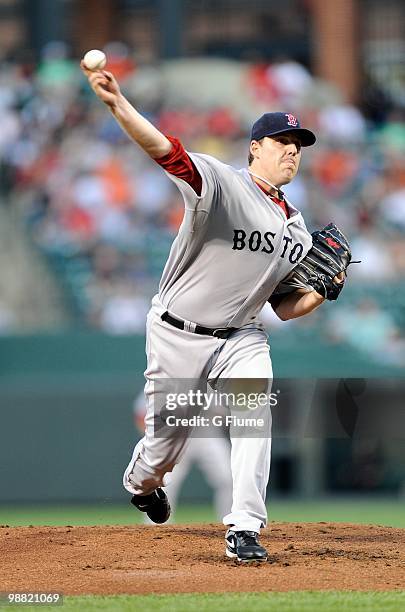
296,304
144,133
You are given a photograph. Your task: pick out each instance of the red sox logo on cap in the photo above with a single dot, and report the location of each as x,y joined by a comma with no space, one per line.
292,121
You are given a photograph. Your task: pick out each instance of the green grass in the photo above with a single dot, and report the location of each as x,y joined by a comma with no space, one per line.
303,601
388,512
92,514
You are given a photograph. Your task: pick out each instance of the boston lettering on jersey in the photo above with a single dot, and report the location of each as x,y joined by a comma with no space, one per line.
264,242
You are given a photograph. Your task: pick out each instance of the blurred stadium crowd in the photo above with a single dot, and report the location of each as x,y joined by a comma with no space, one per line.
104,215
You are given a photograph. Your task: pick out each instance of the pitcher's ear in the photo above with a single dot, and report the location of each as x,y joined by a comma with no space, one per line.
254,147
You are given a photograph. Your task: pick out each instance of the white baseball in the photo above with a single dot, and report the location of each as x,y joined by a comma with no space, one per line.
95,59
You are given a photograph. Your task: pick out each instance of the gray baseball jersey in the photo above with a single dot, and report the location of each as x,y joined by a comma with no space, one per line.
233,248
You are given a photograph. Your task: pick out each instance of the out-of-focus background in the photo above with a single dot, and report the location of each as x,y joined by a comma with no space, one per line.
86,222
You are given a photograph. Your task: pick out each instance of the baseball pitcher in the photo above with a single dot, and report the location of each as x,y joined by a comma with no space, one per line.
241,244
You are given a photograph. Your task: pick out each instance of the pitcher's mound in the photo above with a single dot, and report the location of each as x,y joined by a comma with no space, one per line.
190,558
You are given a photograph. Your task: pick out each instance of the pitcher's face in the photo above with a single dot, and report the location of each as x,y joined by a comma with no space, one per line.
276,158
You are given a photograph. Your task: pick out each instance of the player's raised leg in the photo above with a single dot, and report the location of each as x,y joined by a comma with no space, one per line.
162,446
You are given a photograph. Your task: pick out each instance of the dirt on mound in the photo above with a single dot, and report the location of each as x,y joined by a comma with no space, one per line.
190,558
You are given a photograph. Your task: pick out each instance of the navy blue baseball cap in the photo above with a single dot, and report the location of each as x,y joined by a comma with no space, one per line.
272,124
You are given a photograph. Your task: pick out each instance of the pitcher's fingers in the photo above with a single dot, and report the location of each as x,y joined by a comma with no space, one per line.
97,79
108,75
83,66
87,72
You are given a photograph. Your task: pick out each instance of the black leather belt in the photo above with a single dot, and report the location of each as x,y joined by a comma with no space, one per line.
220,332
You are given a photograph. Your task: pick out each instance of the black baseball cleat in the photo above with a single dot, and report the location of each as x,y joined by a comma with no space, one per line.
156,505
244,546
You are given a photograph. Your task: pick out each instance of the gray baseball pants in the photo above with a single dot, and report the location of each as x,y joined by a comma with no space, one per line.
174,354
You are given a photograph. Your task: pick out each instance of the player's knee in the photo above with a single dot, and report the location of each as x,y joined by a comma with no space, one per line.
248,386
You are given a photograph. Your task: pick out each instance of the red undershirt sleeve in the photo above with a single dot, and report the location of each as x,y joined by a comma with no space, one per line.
178,163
